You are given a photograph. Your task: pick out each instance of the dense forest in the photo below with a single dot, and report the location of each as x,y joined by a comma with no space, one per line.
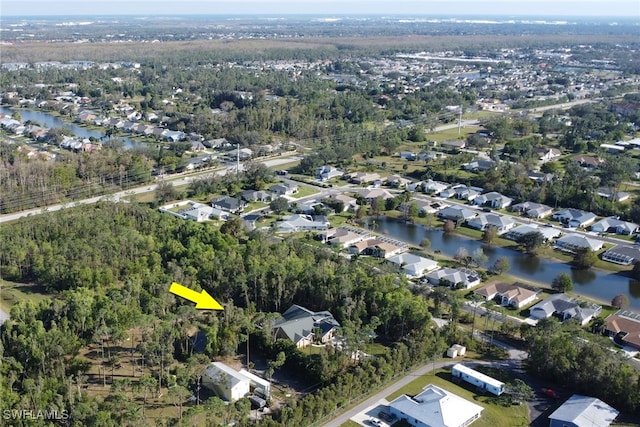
108,268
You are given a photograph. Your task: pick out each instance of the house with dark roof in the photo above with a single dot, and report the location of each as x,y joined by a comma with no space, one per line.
565,308
453,277
456,213
532,210
303,326
614,224
284,189
256,195
622,254
583,411
588,161
574,217
516,233
229,204
493,199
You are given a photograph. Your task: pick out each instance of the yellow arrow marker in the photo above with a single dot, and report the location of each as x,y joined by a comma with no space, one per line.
203,300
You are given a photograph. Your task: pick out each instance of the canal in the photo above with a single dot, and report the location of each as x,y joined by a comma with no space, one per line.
597,284
48,120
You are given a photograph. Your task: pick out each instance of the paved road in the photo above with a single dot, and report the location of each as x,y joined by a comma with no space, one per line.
139,190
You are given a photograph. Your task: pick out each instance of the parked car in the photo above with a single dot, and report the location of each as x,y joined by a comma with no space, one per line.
550,393
375,422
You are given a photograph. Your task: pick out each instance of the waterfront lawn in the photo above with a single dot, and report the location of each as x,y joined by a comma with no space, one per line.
494,414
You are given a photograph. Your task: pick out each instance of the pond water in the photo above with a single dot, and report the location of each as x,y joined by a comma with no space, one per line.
48,120
597,284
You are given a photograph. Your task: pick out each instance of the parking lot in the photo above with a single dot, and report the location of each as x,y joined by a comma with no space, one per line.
372,412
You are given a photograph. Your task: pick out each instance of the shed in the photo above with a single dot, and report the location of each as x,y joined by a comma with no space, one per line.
456,350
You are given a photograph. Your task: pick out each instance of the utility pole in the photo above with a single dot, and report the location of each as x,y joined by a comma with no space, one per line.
238,160
460,119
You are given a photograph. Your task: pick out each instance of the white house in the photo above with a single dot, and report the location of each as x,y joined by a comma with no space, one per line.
284,189
435,407
480,380
343,238
613,224
484,221
456,278
583,411
413,265
456,213
325,173
493,199
516,233
532,210
302,222
565,308
576,242
574,217
225,382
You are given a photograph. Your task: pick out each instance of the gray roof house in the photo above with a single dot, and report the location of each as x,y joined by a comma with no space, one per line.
256,195
613,224
229,204
500,222
434,187
457,278
466,193
547,232
574,217
199,212
583,411
284,189
413,265
622,254
575,242
565,308
532,210
300,325
493,199
325,173
456,213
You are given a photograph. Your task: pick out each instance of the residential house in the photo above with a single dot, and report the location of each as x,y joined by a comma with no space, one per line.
225,382
455,278
377,248
302,222
396,181
479,165
310,206
434,187
199,212
197,162
614,224
575,242
454,144
547,154
256,195
413,265
574,217
363,177
588,161
583,411
350,203
481,381
515,295
466,193
614,196
622,254
516,233
229,204
370,195
456,213
303,326
435,407
342,237
493,199
532,210
625,326
244,153
540,177
284,189
502,223
325,173
565,308
408,155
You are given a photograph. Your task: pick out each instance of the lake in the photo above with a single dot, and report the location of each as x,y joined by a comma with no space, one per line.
597,284
48,120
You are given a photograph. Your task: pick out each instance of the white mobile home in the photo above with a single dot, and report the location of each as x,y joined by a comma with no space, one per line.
478,379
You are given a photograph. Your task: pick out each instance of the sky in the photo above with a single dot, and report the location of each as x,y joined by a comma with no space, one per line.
626,8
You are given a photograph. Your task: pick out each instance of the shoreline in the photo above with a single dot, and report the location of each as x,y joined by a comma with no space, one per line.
535,283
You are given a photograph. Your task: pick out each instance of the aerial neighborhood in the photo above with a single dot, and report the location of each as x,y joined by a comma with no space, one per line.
379,221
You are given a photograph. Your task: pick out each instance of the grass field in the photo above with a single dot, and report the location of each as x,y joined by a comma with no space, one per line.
304,191
494,415
12,292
